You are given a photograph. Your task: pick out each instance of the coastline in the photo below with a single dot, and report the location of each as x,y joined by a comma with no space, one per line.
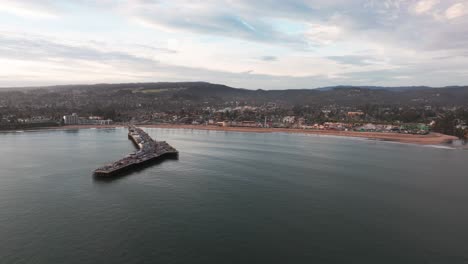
62,128
430,139
66,127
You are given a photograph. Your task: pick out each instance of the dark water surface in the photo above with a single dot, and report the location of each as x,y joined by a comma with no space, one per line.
231,198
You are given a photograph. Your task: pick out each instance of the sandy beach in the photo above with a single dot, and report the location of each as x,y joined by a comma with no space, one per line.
430,139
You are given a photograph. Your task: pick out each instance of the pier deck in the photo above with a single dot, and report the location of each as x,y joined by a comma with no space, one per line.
148,150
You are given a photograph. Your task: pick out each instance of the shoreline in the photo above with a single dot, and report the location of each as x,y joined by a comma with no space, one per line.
430,139
61,128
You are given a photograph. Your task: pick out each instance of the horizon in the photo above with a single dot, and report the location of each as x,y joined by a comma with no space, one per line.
269,45
242,88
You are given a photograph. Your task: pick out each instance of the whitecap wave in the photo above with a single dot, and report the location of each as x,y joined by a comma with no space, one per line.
439,146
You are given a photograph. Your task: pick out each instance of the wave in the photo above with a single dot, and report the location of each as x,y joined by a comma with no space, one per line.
439,146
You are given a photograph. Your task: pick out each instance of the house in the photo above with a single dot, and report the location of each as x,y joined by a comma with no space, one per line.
335,126
223,124
355,114
247,124
367,127
289,119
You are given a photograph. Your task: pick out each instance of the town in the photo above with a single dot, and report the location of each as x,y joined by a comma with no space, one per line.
203,104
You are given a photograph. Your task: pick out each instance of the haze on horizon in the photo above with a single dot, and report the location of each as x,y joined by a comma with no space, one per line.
268,44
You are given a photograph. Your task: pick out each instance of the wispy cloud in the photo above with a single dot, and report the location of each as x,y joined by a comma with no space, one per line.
37,48
456,10
268,58
208,18
424,6
352,59
319,42
30,9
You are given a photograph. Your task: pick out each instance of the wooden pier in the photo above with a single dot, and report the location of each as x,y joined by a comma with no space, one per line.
149,150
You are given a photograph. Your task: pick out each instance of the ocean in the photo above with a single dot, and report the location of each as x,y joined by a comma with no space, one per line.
231,197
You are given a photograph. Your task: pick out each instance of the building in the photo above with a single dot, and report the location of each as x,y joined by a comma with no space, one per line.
289,119
83,121
247,124
72,119
367,128
223,124
355,114
335,126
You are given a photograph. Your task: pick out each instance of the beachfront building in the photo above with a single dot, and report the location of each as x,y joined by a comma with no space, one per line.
72,119
355,114
367,128
289,119
223,123
247,124
335,125
84,121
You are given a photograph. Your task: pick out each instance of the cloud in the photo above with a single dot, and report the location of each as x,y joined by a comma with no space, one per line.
424,6
208,18
269,58
456,10
30,9
353,59
36,48
322,34
302,24
318,41
157,49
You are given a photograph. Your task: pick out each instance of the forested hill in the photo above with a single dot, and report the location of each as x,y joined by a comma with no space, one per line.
202,92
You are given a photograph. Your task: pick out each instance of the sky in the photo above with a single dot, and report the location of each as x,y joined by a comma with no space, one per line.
254,44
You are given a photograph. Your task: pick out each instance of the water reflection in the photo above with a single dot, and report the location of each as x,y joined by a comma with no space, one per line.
459,143
71,131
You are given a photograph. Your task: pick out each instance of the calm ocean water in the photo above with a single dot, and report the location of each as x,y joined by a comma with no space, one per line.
231,198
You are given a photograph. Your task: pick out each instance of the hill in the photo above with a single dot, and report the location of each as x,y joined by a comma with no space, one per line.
193,93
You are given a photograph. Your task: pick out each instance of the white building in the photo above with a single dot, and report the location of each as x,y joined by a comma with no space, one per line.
289,119
72,119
